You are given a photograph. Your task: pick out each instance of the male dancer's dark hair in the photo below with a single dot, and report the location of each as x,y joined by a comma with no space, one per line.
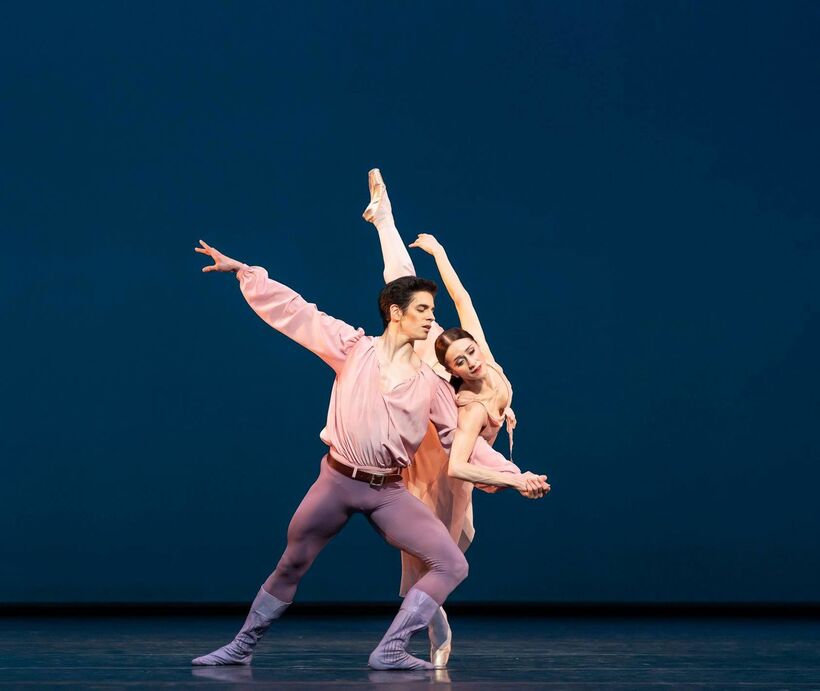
400,292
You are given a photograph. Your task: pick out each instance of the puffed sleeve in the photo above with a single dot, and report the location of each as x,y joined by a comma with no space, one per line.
287,312
444,416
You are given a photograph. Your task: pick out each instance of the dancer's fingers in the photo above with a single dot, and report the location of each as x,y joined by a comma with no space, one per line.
200,250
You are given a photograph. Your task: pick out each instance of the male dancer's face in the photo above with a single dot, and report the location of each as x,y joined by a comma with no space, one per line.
416,321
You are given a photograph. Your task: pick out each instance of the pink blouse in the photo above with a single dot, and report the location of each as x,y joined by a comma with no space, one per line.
366,427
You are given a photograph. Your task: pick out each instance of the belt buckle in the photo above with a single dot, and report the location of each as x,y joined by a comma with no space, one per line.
373,482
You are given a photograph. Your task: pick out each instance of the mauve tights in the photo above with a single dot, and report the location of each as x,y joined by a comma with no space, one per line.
399,517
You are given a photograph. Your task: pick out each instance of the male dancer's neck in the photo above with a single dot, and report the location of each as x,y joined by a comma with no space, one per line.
396,345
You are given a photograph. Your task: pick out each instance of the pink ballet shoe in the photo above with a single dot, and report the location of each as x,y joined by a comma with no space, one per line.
441,639
379,206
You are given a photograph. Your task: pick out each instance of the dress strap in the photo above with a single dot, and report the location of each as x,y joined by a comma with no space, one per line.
511,421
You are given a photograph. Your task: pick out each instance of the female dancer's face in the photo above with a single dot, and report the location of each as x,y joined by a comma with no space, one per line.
465,360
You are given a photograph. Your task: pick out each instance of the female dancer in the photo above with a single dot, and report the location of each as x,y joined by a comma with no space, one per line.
483,395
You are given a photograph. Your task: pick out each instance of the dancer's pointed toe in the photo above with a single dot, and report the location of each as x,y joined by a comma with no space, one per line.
440,656
374,179
379,206
441,639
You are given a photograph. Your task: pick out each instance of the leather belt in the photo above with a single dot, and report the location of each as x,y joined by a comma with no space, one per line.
372,479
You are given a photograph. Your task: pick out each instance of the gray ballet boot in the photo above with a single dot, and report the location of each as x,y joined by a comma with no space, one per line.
239,651
415,613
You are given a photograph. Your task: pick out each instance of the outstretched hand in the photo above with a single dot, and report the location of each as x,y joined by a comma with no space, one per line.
428,243
221,261
533,486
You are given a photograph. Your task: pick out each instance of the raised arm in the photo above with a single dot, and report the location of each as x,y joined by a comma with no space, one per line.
287,312
458,293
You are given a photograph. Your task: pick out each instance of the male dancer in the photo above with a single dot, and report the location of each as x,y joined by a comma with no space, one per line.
381,401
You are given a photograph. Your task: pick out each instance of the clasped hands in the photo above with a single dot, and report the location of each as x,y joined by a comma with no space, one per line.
532,486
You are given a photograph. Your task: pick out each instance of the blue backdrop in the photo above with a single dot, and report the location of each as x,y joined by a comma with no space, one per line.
629,190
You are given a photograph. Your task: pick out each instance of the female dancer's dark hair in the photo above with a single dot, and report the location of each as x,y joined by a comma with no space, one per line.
400,292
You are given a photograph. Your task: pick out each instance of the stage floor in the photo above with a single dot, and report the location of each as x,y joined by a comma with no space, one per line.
488,653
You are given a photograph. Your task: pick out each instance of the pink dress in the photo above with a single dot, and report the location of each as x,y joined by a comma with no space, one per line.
449,498
489,401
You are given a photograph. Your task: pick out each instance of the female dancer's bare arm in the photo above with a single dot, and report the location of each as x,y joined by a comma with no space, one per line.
467,314
471,418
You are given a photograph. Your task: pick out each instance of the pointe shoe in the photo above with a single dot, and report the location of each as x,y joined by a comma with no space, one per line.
440,654
415,613
379,206
239,651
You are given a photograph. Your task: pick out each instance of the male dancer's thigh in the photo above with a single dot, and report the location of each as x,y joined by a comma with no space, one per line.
407,523
322,513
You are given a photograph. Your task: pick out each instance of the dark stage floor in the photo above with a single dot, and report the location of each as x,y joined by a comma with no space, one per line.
488,653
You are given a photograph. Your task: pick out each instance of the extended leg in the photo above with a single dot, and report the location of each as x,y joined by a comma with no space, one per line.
397,262
379,212
321,514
